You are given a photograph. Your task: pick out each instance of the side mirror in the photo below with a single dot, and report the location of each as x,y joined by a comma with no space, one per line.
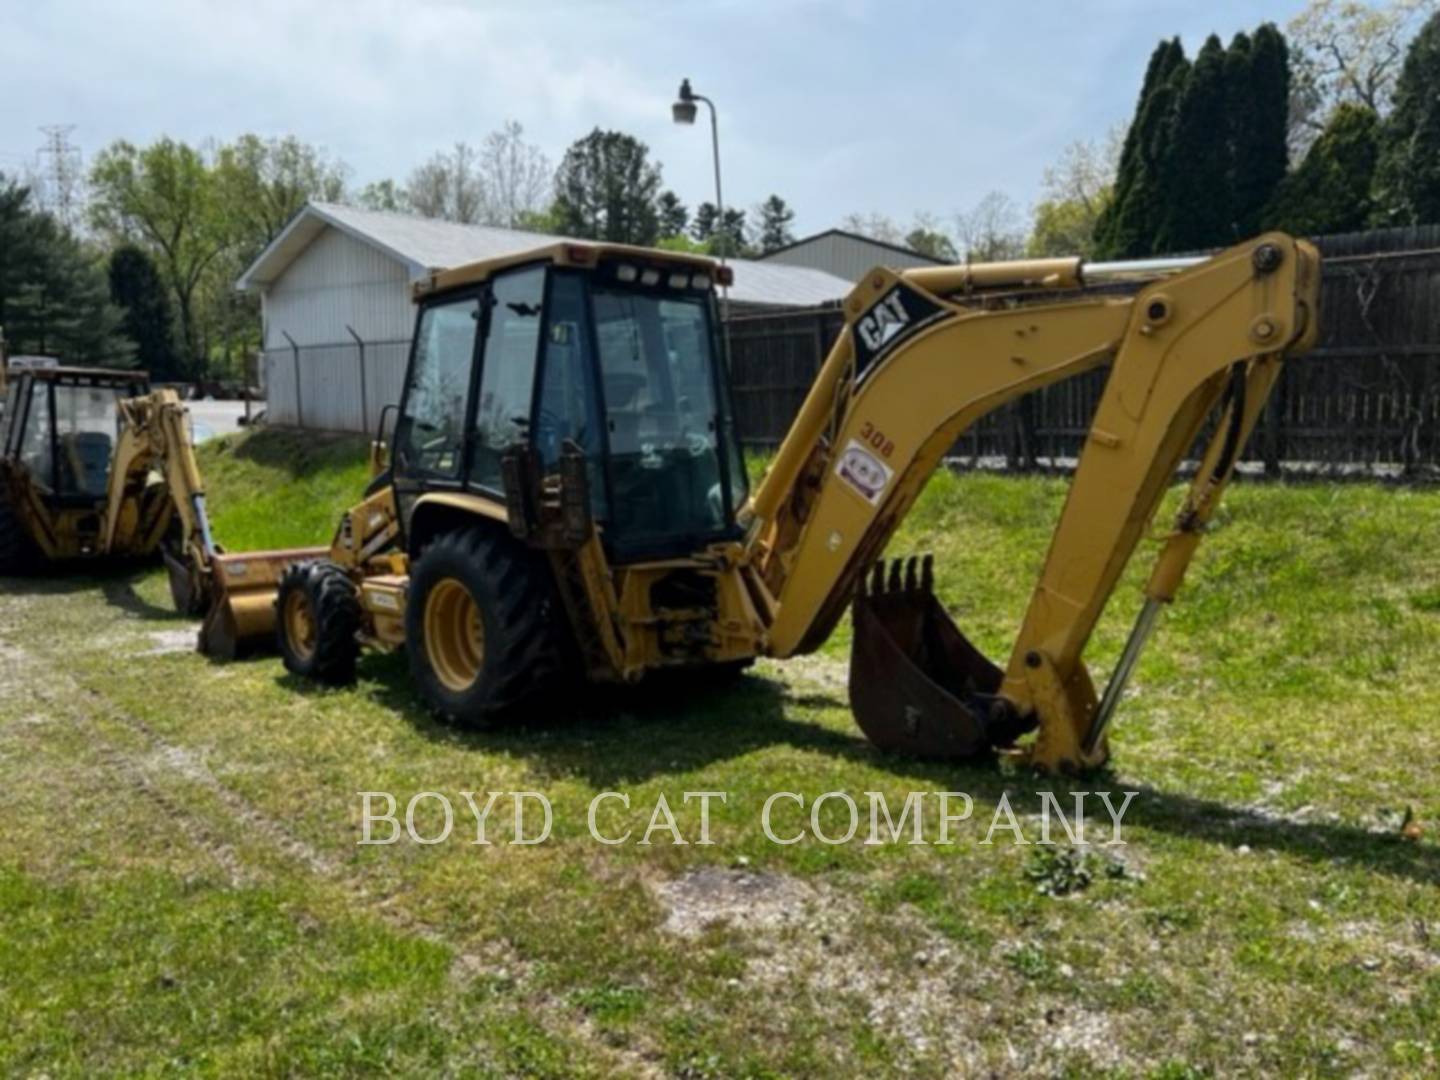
380,446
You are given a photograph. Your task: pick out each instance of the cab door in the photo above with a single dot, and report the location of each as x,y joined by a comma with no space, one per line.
432,434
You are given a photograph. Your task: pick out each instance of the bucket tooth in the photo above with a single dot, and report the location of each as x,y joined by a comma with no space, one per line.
893,585
911,567
927,573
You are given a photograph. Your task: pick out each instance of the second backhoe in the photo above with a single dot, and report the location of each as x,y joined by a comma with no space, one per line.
564,496
95,465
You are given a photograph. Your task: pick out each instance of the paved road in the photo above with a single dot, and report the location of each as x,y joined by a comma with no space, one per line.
211,418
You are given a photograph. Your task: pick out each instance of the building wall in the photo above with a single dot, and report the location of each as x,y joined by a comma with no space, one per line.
333,384
335,282
845,256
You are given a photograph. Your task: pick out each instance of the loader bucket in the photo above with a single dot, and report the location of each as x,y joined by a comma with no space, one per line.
241,619
917,686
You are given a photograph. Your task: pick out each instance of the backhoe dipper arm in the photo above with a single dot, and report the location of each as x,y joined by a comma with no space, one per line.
155,438
914,369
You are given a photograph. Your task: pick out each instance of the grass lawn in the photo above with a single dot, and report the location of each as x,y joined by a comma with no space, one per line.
181,888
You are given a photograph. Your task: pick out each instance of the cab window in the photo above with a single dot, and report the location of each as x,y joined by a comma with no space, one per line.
430,435
507,370
86,425
35,442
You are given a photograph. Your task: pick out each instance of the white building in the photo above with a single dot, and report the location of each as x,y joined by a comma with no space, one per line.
846,255
337,313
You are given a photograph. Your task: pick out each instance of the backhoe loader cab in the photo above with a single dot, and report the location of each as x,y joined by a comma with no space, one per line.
609,354
57,435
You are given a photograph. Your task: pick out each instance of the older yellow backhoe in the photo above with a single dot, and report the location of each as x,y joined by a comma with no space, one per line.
95,465
564,493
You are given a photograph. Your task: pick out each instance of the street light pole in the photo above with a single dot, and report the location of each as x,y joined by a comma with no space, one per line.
684,113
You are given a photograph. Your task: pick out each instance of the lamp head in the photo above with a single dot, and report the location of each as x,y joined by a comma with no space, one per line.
684,109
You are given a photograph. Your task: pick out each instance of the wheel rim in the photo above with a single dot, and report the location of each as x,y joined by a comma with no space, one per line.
454,635
300,624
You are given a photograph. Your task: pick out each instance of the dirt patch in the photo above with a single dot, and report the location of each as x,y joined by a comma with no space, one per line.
165,642
750,901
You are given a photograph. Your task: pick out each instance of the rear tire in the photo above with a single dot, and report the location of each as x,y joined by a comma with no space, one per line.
317,615
18,554
481,626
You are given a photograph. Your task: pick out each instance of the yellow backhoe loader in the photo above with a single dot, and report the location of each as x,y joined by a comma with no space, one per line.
94,464
564,493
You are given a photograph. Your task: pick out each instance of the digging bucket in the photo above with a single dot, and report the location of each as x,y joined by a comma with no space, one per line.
917,686
241,619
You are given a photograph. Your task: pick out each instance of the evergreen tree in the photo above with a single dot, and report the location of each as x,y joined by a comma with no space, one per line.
732,239
1407,181
53,296
702,228
137,289
1330,190
775,219
1129,224
673,215
1259,111
608,189
1197,200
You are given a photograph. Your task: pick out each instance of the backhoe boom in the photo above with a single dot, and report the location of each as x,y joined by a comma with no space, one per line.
917,367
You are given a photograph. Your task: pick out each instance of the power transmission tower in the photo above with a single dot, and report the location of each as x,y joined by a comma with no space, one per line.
61,173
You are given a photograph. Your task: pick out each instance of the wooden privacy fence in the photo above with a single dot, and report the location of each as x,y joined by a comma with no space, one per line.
1366,400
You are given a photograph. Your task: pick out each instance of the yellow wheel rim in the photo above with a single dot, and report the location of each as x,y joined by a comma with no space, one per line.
454,635
300,624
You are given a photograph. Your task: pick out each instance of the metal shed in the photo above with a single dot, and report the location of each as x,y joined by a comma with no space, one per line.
846,255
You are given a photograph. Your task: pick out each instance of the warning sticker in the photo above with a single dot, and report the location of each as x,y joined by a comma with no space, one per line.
864,472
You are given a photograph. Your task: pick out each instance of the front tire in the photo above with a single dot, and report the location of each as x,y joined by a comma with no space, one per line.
317,615
480,626
18,554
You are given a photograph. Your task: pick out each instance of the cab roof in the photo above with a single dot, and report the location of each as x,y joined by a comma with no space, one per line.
584,256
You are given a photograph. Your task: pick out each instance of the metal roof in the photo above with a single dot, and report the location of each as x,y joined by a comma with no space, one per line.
900,249
424,245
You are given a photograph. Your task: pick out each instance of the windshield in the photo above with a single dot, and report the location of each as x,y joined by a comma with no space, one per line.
657,367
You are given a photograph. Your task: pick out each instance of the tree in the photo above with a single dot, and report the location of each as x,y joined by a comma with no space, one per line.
732,239
1129,225
148,320
447,186
932,242
514,176
164,198
1330,190
990,230
1407,179
673,215
775,218
383,195
874,225
607,189
706,218
1197,200
1259,93
1345,51
53,296
1076,191
1060,228
262,183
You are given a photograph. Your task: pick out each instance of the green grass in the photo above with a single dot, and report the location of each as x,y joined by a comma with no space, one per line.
181,889
283,489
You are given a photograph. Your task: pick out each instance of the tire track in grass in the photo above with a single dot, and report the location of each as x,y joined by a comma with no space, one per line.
66,695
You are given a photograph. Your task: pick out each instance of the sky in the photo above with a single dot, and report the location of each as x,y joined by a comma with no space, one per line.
838,106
